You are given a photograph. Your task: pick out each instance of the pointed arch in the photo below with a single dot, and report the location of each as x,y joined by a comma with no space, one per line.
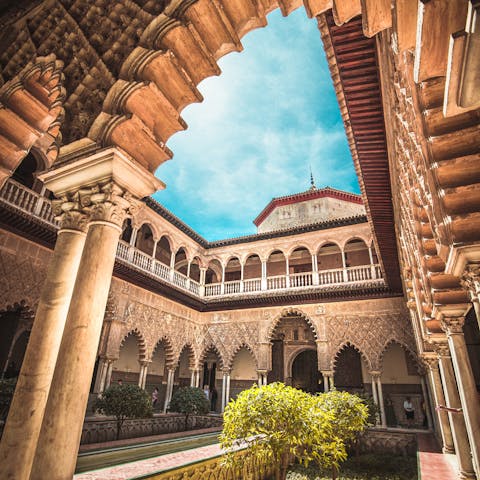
410,352
192,362
349,344
286,312
237,349
209,349
166,343
142,346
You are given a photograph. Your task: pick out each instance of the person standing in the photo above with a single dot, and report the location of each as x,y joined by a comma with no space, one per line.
409,411
206,391
154,397
213,398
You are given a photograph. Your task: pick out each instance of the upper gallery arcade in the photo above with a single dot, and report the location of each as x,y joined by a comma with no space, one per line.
91,92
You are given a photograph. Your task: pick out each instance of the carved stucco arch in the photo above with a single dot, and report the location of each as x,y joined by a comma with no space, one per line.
345,345
32,105
211,348
170,360
241,346
284,313
142,345
407,349
192,360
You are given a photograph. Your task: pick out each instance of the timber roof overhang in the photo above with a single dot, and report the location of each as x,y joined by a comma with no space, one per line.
353,63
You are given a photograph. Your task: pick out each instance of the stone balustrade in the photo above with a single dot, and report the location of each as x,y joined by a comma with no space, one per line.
17,196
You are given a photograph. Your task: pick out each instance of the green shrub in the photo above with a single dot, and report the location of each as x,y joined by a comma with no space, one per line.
124,401
189,401
277,423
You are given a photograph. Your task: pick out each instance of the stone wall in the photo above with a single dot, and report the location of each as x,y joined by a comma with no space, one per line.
103,429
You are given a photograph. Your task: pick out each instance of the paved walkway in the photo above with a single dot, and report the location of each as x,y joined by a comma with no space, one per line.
433,464
151,465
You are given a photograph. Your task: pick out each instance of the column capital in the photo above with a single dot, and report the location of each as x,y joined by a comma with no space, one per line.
145,363
327,373
471,278
430,361
441,349
375,373
452,325
71,219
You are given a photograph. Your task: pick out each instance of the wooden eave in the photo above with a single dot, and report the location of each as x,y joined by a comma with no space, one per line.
355,72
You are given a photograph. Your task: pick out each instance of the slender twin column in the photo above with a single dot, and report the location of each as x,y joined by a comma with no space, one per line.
46,415
327,380
377,392
439,400
453,326
225,389
22,429
142,378
82,333
262,377
169,391
104,375
455,414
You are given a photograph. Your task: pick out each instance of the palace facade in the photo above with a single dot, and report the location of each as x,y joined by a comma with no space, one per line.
375,293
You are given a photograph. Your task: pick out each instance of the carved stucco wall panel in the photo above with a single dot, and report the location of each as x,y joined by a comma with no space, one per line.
21,275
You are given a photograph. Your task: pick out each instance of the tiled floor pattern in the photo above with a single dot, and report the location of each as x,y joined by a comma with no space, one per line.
433,464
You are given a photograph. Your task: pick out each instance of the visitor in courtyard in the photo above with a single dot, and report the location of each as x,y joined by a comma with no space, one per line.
206,391
213,398
154,397
409,411
120,381
390,412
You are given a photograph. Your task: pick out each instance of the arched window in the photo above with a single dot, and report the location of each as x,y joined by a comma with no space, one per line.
144,241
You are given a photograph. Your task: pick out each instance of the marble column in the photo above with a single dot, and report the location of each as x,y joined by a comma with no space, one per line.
79,344
102,375
192,378
453,326
471,281
142,380
203,271
457,421
315,277
169,389
22,429
439,399
224,389
107,184
381,403
426,401
227,389
264,275
327,380
108,379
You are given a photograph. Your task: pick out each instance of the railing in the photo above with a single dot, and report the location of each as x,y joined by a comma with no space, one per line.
276,282
22,198
301,279
330,277
25,200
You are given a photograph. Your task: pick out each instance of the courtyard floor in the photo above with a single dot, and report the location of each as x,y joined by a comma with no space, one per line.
433,465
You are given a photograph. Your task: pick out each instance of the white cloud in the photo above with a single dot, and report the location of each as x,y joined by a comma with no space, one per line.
270,115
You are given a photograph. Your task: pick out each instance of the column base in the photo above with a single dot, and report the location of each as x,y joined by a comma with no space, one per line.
467,476
448,450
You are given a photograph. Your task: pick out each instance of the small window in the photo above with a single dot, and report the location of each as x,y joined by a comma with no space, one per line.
295,334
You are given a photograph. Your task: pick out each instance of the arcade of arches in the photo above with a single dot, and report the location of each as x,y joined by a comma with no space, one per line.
99,282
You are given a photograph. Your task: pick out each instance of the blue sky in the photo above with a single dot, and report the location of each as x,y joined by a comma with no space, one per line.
270,115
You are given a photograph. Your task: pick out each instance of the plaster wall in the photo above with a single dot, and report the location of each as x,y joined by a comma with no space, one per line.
310,211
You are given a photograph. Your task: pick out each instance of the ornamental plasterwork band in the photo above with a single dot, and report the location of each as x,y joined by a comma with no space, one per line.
103,202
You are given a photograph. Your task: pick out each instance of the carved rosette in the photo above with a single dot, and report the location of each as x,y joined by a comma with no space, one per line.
452,325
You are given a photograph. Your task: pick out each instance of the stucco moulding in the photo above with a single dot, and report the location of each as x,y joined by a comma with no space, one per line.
107,165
